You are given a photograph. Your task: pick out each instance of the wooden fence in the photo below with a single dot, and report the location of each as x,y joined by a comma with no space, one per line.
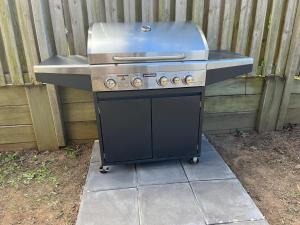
35,115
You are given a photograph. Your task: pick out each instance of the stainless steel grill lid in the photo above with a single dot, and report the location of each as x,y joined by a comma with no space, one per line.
122,43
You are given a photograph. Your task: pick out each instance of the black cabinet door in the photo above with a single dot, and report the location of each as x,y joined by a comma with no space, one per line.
126,129
175,126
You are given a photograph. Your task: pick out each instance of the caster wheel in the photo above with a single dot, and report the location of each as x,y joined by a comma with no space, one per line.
194,160
104,169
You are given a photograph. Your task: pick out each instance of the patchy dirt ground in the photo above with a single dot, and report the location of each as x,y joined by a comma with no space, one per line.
42,188
268,165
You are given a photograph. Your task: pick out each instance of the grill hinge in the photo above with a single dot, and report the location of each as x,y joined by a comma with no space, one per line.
200,104
197,147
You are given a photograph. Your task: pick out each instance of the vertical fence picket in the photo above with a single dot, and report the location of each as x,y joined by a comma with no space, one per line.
164,10
129,11
95,11
270,99
28,38
286,36
273,36
2,78
258,32
244,26
111,10
180,10
68,27
290,71
10,42
213,26
198,12
40,114
79,26
148,11
59,27
228,23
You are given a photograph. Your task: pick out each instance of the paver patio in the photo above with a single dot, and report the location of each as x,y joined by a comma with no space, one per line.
167,193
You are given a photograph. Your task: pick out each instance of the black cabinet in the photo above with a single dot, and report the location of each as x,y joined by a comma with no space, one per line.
126,129
175,126
149,128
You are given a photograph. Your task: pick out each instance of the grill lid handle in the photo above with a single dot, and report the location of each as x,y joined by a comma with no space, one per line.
148,58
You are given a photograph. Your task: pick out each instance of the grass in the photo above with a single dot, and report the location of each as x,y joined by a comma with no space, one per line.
13,170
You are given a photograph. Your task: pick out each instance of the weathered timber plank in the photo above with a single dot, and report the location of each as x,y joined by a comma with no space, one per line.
17,146
16,134
43,29
294,102
233,103
71,95
290,71
68,27
273,88
148,10
81,130
74,112
228,23
180,10
213,26
82,141
244,26
198,12
236,86
164,11
296,87
129,11
292,116
269,104
111,10
45,37
79,25
95,11
227,131
12,95
59,27
286,36
10,42
28,39
2,63
254,85
42,119
258,32
227,121
273,36
15,115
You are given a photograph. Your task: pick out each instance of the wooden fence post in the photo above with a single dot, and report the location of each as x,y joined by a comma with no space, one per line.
274,85
10,42
290,71
49,96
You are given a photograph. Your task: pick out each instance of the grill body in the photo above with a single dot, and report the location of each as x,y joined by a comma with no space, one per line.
148,83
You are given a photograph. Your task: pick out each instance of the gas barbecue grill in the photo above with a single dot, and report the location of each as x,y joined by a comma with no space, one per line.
148,83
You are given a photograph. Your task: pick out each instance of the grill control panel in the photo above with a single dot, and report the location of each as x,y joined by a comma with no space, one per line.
144,81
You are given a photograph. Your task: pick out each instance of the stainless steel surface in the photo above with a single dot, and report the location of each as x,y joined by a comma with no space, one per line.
110,40
145,56
224,63
64,65
223,59
149,58
150,75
